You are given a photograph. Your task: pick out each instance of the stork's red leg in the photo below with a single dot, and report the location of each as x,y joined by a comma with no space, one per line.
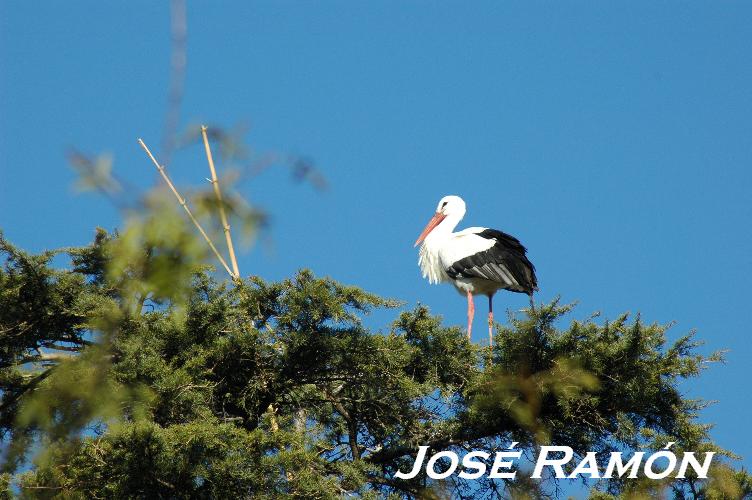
490,320
470,314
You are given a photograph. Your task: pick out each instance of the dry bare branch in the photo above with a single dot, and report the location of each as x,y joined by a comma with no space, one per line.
218,194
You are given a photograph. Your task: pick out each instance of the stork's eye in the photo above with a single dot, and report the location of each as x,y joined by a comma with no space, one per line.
443,204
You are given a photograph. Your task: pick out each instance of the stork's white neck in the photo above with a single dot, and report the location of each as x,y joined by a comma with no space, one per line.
444,229
429,259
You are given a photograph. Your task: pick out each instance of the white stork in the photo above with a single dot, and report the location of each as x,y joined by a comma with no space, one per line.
476,260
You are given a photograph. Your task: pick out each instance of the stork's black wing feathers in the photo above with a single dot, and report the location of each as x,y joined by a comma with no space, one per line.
505,262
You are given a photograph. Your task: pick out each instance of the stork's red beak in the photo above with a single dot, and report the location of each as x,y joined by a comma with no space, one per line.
435,221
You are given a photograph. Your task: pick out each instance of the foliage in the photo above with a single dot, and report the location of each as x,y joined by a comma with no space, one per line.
137,374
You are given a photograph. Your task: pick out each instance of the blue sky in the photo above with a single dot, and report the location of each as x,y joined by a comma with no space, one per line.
614,139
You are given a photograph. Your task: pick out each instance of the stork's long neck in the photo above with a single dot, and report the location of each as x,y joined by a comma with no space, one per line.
429,259
444,230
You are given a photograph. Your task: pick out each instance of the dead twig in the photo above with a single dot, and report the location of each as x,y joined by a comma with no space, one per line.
218,194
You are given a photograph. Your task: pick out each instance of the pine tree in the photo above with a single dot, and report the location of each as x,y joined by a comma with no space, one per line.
136,373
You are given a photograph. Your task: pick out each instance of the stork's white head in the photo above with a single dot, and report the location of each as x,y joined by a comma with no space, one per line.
450,208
